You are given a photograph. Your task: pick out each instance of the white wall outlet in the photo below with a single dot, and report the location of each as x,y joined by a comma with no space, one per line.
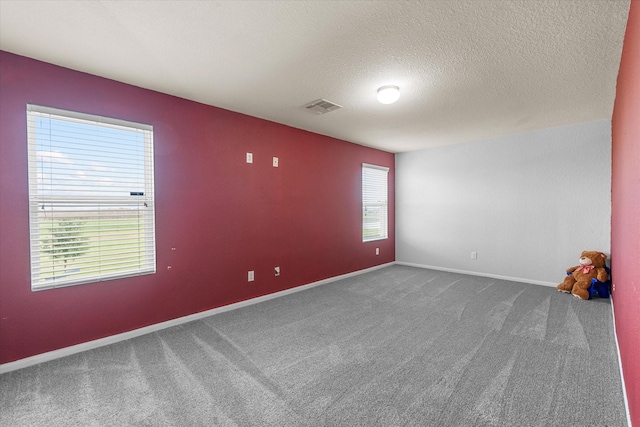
474,255
276,271
250,276
377,251
275,162
249,157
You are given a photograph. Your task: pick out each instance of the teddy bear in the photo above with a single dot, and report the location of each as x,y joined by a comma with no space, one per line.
592,266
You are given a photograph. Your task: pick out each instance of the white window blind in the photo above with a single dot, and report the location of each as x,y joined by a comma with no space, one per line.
91,198
374,202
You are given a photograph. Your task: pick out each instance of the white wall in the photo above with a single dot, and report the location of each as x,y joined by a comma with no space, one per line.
528,203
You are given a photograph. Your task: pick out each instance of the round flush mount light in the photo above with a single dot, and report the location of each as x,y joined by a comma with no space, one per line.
388,94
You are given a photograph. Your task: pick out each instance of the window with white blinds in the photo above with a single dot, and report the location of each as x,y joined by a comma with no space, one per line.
91,198
374,202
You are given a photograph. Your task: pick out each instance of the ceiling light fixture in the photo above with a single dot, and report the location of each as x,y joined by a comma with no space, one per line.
388,94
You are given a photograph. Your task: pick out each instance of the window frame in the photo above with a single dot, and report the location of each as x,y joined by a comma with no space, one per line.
89,200
382,188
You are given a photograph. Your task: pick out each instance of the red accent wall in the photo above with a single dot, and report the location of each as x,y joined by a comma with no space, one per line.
625,210
223,216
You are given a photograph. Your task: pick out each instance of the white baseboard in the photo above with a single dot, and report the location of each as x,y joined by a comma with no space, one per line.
78,348
624,388
475,273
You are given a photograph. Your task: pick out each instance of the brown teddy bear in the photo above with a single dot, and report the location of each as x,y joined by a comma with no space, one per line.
591,267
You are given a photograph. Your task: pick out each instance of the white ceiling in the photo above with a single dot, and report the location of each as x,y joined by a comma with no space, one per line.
467,69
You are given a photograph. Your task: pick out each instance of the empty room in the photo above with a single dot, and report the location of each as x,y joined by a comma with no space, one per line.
319,213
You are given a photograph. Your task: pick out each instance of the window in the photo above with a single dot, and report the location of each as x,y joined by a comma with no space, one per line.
91,198
374,202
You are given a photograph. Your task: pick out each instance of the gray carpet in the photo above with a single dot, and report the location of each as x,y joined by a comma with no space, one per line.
399,346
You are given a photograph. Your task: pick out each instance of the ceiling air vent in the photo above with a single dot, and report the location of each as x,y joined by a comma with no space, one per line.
322,106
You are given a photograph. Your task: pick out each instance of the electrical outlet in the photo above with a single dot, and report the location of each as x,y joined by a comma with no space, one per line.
377,251
250,276
613,289
275,162
474,255
249,157
276,271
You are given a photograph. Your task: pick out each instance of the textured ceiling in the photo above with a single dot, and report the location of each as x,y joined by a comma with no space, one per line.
466,69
